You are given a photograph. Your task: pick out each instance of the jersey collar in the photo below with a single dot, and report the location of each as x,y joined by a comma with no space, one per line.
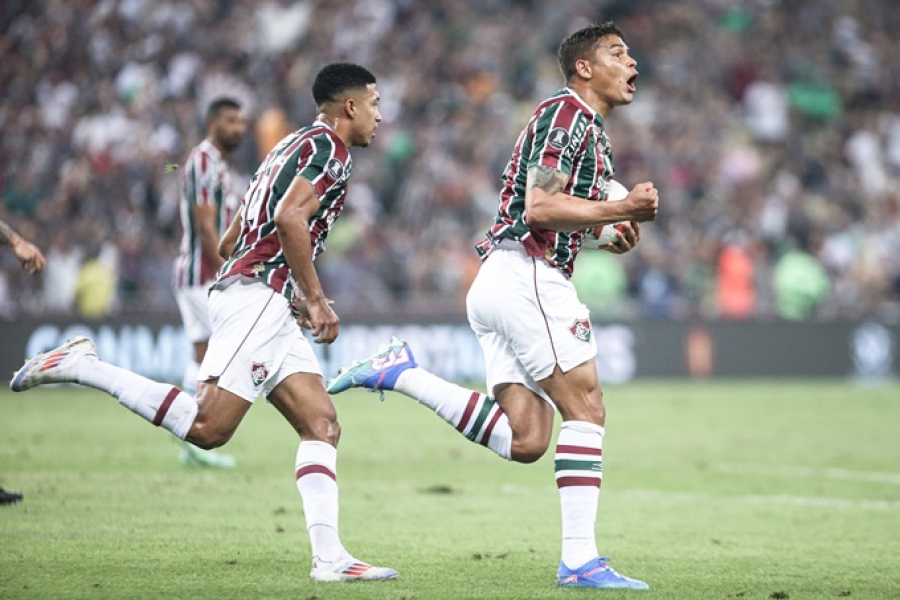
598,120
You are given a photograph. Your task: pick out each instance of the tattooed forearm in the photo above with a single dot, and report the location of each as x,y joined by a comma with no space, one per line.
547,179
6,233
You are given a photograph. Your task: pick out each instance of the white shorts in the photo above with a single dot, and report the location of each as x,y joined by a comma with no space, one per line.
256,343
528,319
193,302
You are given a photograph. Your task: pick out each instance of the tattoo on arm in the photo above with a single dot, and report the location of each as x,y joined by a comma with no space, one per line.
547,179
6,233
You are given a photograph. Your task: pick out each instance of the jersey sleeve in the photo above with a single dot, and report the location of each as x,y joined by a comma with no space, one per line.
559,134
201,179
324,164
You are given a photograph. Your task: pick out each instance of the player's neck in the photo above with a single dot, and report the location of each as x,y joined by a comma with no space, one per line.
340,127
592,99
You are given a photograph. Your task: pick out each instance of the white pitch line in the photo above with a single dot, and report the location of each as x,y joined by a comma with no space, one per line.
792,472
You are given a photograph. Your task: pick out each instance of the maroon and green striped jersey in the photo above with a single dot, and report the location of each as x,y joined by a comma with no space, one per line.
205,180
565,134
318,155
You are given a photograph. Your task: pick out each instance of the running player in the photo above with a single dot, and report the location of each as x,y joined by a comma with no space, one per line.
208,205
256,346
535,333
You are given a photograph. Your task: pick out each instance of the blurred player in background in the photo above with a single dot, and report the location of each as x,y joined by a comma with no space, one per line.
31,258
208,205
535,333
268,283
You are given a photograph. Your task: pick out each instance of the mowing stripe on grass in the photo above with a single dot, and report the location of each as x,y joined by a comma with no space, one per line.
681,497
791,472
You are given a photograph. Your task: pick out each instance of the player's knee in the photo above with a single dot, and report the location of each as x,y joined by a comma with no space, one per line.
208,438
324,429
528,448
208,435
526,454
589,407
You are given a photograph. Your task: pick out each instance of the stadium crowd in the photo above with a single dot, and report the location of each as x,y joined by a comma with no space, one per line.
771,128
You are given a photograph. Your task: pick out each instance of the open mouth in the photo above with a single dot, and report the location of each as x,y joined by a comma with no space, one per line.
631,83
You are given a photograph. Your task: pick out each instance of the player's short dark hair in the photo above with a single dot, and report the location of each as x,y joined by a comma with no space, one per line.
580,44
218,105
337,78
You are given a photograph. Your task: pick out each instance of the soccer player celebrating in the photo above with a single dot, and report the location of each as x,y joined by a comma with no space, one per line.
208,205
535,333
256,347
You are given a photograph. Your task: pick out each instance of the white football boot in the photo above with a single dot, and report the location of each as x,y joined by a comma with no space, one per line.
55,366
347,568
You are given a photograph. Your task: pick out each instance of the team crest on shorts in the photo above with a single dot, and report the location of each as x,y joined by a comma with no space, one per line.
581,329
258,374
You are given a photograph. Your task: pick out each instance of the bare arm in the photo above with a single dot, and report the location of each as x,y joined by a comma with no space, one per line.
292,216
205,221
29,255
7,235
229,239
547,206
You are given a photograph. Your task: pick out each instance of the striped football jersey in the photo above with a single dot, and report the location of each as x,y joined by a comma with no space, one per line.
205,180
565,134
318,155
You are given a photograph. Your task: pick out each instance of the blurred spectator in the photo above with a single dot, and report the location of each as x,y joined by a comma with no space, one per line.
801,284
95,289
749,114
602,284
735,280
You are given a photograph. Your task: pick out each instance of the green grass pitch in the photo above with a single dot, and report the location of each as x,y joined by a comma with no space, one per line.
710,490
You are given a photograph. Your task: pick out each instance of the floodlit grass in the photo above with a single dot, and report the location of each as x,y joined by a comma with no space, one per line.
712,490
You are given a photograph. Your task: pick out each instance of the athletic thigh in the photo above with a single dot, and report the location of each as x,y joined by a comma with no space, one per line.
577,393
218,415
530,417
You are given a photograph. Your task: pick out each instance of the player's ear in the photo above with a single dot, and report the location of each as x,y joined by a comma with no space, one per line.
583,68
350,107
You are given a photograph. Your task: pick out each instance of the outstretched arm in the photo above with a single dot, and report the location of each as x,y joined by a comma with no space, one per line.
547,206
28,254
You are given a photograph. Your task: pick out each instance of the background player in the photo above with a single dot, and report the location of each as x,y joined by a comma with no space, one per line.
535,333
256,346
31,258
208,205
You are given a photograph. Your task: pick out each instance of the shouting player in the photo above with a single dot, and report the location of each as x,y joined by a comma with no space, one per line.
256,347
208,205
535,333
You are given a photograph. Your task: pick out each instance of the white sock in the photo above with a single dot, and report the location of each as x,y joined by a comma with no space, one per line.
317,482
475,415
579,470
163,405
189,383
